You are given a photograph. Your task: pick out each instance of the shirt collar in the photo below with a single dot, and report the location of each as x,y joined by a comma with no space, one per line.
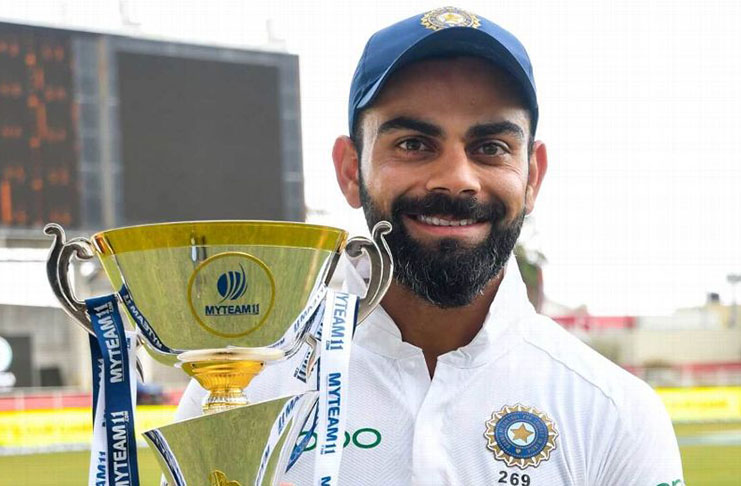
379,334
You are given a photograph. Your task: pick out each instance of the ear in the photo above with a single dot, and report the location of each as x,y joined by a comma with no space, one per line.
346,167
538,164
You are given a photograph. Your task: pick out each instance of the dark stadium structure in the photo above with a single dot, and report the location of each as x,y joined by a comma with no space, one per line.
100,130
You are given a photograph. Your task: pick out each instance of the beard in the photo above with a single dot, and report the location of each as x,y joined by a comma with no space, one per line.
446,273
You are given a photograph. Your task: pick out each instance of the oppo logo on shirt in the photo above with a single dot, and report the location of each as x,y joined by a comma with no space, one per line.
365,438
676,482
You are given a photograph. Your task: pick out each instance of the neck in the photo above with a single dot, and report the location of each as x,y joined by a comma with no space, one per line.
434,330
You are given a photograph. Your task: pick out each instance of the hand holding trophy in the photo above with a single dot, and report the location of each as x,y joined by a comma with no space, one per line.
221,300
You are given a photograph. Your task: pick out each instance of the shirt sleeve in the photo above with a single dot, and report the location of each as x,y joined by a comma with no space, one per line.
190,402
643,450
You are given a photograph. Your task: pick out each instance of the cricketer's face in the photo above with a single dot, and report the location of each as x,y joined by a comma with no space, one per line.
445,158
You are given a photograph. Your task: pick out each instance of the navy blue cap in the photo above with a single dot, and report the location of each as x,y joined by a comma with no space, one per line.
442,32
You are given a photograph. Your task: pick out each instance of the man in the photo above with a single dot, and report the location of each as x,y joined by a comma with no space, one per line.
456,380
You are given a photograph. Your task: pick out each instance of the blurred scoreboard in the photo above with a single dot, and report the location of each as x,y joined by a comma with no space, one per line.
99,130
38,149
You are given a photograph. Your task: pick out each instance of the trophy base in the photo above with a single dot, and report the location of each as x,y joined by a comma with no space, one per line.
225,372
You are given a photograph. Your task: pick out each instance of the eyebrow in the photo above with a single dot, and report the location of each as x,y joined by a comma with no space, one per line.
407,123
432,130
496,128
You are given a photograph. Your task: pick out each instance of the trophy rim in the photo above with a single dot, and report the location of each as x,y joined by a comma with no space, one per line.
170,235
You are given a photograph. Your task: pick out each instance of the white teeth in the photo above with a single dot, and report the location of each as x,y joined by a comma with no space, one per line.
445,222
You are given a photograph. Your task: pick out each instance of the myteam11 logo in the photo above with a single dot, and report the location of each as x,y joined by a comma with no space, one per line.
232,285
231,293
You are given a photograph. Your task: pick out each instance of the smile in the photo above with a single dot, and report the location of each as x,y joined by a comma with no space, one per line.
445,222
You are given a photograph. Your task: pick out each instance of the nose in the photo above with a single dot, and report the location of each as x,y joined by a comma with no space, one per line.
454,174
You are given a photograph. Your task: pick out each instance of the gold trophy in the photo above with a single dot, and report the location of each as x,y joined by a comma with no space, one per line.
221,300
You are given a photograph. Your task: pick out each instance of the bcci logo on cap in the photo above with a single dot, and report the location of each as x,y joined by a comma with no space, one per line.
232,285
445,17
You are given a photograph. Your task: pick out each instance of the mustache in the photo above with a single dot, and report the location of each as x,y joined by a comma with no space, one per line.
437,204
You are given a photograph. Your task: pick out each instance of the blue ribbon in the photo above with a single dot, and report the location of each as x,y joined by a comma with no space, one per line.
118,414
96,358
300,446
302,373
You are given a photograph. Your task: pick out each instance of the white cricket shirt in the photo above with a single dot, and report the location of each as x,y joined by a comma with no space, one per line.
524,404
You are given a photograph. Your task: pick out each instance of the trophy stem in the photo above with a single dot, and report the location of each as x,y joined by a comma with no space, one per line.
224,381
225,373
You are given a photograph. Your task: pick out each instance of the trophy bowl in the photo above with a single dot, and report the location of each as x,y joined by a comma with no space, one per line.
219,298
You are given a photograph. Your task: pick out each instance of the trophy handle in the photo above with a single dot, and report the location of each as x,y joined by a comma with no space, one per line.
57,271
382,266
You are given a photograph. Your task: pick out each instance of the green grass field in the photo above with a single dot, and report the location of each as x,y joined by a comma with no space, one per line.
704,465
710,465
65,469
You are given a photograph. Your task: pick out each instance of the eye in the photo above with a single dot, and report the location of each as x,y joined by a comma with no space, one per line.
413,145
490,149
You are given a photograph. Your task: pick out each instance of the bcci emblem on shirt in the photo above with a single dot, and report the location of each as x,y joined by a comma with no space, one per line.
520,436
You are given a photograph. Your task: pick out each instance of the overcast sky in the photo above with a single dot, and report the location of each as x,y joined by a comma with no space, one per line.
640,104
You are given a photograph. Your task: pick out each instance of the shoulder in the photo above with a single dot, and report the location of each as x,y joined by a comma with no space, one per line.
596,372
636,442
